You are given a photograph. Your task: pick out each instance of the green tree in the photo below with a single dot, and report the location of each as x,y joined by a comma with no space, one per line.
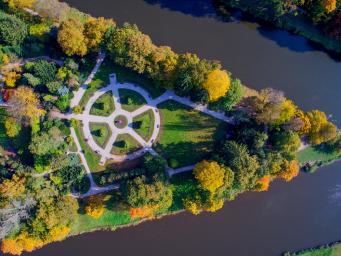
139,193
45,71
53,86
245,166
49,142
13,31
129,47
286,142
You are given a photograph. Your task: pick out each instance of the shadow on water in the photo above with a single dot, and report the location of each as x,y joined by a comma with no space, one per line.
196,8
218,10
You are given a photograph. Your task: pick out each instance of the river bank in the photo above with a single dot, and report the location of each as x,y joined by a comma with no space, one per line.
296,23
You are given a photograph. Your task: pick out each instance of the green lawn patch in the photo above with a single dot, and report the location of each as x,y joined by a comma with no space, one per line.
328,250
101,79
91,157
104,105
125,144
313,154
112,216
131,100
101,133
187,135
143,124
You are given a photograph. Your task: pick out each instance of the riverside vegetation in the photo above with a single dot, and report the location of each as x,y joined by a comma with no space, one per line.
47,51
317,20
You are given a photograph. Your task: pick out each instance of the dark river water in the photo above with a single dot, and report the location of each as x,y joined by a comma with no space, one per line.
291,216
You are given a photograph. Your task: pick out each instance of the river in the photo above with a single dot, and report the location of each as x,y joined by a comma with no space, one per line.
290,216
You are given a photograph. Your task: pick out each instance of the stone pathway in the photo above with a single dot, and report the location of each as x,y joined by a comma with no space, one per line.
79,94
105,152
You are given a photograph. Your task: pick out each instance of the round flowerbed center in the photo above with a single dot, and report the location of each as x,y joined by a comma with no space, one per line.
121,121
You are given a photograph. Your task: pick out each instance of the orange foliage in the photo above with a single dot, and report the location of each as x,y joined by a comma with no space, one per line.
329,5
263,183
290,170
21,243
142,212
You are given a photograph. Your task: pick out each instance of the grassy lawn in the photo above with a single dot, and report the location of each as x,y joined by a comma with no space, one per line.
96,130
125,144
143,124
131,100
101,79
111,217
187,136
104,105
333,250
312,154
91,157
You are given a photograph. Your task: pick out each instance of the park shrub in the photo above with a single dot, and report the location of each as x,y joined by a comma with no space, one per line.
95,206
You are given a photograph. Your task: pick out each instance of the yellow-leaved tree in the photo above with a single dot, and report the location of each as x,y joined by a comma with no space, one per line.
94,206
329,5
94,30
12,127
20,243
24,104
20,3
10,78
321,129
210,175
71,38
217,84
290,169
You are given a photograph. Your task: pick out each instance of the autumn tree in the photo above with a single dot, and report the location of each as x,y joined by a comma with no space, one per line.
19,3
290,169
71,37
321,129
190,74
12,127
24,104
94,30
232,98
10,78
320,9
263,183
161,66
270,107
217,84
209,174
95,206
